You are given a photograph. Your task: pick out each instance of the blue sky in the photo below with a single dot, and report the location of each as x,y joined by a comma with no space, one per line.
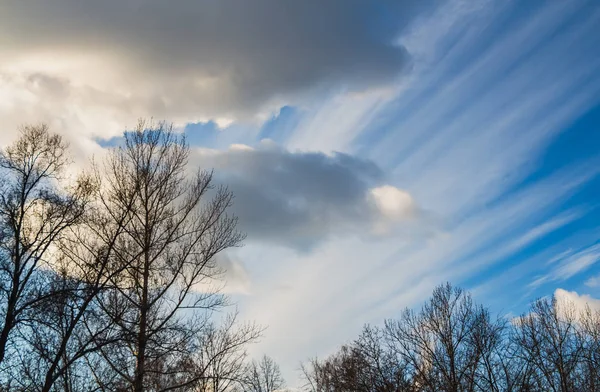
386,150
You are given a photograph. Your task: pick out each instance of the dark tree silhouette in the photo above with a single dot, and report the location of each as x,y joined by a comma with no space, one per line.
176,224
109,283
262,376
36,208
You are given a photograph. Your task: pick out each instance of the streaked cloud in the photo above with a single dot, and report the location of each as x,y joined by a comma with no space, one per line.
593,281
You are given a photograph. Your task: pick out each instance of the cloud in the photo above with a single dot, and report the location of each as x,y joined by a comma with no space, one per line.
236,277
579,301
568,264
301,198
231,276
392,202
569,305
488,112
578,263
193,60
594,281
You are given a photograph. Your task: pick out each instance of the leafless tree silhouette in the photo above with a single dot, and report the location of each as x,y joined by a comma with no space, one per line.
176,223
453,344
262,376
37,207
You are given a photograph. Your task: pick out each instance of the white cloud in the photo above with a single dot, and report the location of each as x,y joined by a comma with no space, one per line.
593,281
514,245
240,147
333,124
569,305
565,265
579,301
393,203
575,265
569,264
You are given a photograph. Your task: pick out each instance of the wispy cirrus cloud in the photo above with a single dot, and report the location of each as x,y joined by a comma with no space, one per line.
569,264
465,135
593,281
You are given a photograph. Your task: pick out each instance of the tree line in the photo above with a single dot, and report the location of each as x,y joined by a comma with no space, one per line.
109,279
453,344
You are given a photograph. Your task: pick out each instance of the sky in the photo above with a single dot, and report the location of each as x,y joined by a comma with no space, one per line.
376,148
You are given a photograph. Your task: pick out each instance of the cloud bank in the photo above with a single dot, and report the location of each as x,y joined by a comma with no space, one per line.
191,60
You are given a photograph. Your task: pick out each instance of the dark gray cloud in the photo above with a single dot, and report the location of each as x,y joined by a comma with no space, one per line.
300,199
224,57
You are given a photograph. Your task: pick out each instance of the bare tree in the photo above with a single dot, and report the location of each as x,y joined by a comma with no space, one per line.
589,336
440,343
167,249
548,340
339,372
453,344
221,354
370,363
36,208
262,376
216,365
70,325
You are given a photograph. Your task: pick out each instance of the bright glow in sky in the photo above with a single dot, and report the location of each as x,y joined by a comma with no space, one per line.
376,149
